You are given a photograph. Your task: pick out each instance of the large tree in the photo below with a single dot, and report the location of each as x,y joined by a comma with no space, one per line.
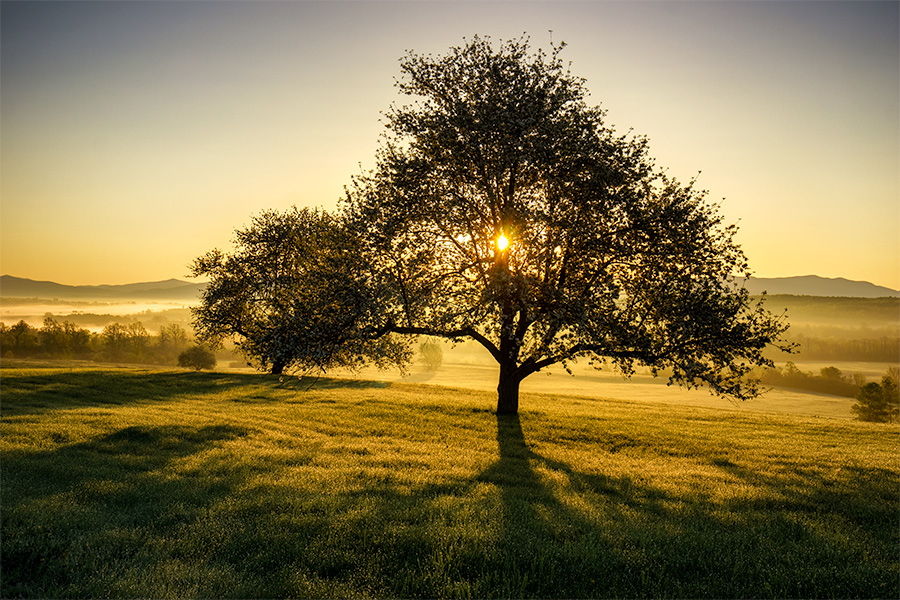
503,209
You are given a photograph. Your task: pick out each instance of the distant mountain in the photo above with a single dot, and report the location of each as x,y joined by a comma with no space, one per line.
813,285
175,289
171,289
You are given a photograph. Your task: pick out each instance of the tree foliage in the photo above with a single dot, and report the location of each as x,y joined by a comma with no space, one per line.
502,209
879,402
609,259
295,293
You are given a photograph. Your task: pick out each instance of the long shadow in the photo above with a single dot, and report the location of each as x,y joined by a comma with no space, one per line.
547,548
528,525
37,391
684,545
69,510
34,392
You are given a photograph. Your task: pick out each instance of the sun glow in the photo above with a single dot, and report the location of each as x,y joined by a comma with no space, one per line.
502,242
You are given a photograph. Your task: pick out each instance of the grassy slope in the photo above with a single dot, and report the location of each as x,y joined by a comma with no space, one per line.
131,483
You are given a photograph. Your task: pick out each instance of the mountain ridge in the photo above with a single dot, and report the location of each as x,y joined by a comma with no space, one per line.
803,285
814,285
169,289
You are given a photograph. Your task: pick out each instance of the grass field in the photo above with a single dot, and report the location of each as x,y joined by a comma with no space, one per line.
167,484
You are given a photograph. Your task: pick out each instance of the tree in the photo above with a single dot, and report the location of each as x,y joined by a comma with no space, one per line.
173,339
431,354
138,339
890,387
879,402
20,340
831,373
503,209
295,293
115,339
197,357
65,339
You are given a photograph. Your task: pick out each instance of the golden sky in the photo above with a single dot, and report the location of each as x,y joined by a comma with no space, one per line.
135,136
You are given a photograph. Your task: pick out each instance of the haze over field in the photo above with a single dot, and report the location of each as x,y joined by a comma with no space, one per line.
838,329
136,136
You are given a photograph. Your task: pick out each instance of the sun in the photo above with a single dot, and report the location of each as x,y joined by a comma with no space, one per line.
502,242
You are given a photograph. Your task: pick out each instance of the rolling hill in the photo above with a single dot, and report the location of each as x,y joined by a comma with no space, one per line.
813,285
175,289
171,289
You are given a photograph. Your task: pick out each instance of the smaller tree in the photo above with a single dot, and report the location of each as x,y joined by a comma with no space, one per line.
431,354
114,339
891,391
198,357
173,339
295,293
20,340
832,373
879,402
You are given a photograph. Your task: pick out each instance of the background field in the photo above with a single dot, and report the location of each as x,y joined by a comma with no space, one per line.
141,483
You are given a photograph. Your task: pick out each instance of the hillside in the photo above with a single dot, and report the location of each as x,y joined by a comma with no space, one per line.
175,289
813,285
171,289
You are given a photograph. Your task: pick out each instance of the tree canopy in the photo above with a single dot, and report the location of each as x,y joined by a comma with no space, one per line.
607,256
879,402
295,293
503,209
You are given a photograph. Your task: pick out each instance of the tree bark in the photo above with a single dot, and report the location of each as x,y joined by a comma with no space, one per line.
508,391
277,368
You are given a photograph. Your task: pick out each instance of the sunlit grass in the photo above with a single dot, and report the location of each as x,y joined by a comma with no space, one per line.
141,483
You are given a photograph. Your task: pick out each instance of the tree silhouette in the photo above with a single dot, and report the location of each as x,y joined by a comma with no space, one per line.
503,209
879,402
295,292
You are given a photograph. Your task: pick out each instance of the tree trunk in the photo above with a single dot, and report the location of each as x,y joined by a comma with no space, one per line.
277,368
508,392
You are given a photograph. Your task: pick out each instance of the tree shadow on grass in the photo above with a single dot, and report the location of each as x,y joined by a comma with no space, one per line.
27,393
548,548
571,533
114,516
310,383
70,514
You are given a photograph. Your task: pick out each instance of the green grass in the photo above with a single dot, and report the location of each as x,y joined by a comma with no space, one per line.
142,483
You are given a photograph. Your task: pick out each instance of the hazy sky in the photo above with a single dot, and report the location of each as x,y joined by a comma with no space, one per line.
136,136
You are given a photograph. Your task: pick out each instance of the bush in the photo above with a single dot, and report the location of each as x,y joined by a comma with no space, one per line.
198,357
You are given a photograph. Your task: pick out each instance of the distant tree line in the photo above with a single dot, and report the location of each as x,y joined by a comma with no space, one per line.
830,380
875,349
116,342
875,401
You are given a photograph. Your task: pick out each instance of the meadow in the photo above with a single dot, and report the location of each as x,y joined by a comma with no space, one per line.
134,482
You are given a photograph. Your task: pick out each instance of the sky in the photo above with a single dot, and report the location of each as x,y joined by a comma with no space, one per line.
136,136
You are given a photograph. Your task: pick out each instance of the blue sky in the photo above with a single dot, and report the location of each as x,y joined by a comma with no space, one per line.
135,136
